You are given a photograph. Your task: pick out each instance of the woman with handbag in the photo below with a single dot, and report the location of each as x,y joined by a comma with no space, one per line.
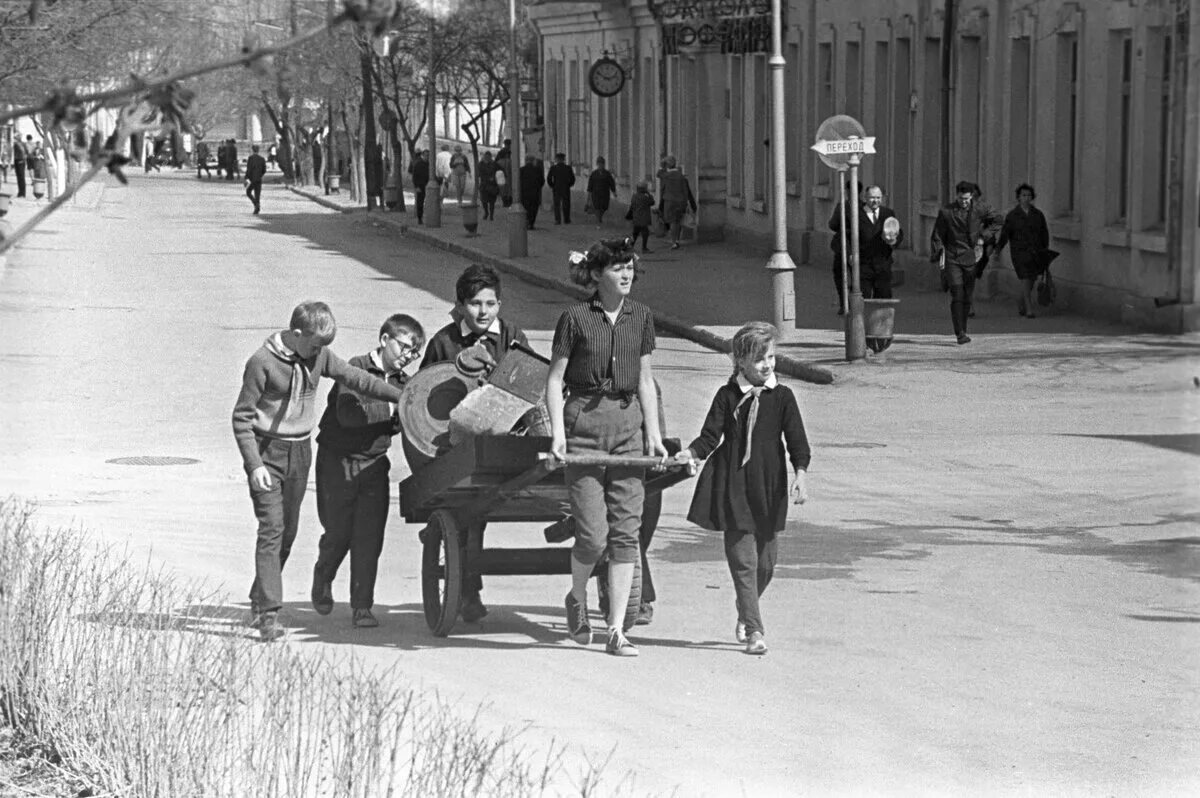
1025,228
489,188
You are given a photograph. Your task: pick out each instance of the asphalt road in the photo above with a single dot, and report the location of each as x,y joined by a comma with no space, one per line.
993,590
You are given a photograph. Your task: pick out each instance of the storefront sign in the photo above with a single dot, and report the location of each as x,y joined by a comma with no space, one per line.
732,26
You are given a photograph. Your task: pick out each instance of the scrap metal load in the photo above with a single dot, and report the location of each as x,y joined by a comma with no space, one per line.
446,403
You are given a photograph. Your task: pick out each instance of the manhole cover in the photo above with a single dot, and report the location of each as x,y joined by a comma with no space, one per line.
854,445
150,460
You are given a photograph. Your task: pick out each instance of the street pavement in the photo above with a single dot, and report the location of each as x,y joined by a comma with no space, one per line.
992,590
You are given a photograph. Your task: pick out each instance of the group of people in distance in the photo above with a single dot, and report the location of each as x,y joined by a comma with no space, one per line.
602,398
965,235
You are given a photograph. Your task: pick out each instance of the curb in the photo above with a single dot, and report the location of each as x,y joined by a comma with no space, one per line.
785,364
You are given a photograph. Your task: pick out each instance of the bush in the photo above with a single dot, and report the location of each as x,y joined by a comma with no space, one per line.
102,670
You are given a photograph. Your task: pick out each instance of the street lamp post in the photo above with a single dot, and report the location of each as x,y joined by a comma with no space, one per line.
783,292
518,239
433,191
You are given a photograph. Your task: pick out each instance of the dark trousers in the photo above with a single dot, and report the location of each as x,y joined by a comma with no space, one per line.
961,280
838,281
876,279
278,512
562,208
201,165
751,558
644,232
19,168
473,583
531,211
254,192
420,197
352,503
651,510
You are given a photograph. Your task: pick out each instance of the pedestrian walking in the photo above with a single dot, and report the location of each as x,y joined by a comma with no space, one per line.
235,161
601,188
20,161
874,246
353,489
641,213
460,168
202,154
560,179
419,169
600,380
256,168
532,181
1026,229
504,166
489,188
743,489
441,171
961,231
677,198
273,420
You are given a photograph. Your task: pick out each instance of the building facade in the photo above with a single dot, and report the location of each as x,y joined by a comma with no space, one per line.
1087,100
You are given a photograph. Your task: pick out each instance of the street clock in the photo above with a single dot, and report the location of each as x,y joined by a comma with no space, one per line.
606,77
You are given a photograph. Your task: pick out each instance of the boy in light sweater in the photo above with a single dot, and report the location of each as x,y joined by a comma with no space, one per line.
272,424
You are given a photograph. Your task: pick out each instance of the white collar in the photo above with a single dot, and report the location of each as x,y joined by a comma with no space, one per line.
745,386
377,361
466,330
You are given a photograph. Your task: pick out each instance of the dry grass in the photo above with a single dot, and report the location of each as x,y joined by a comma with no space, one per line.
124,694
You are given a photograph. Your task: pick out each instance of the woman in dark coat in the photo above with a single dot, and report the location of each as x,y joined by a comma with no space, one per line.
1025,228
489,189
601,187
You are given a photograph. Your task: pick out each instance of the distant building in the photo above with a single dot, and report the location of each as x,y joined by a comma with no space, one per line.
1073,97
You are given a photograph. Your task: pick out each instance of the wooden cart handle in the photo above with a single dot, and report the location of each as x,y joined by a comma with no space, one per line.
590,459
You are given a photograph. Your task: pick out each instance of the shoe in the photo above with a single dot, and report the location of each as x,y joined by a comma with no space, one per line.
1031,315
270,629
675,245
739,632
618,645
964,339
256,617
577,621
841,312
756,644
321,594
647,250
256,209
645,615
971,315
364,619
473,609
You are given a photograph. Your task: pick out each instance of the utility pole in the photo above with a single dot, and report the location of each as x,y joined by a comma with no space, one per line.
518,238
433,191
783,269
949,25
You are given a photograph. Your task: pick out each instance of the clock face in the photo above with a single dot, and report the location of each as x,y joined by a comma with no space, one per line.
606,77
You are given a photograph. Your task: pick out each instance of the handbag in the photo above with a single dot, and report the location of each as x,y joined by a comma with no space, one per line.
1046,292
500,178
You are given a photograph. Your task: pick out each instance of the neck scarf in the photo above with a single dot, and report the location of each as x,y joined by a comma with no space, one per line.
752,418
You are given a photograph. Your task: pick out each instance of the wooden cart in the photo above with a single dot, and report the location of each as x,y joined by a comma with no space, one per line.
494,478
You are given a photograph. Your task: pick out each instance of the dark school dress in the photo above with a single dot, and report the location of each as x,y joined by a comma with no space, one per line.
1028,235
754,497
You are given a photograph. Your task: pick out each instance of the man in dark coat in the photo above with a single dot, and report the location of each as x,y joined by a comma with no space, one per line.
256,168
874,250
532,181
560,180
962,230
19,155
419,169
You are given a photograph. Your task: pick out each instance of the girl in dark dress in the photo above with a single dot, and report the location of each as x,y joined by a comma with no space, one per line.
1025,228
489,189
743,489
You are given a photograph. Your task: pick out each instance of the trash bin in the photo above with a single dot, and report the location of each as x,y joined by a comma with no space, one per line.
879,318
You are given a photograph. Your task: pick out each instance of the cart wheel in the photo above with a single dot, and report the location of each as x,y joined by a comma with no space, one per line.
441,572
634,604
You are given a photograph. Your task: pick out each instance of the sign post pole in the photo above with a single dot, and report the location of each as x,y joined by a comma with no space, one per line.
843,253
518,239
856,332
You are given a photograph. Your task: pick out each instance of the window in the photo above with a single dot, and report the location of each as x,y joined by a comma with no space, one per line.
854,80
762,111
1018,114
1118,134
795,113
737,126
1160,84
879,117
577,126
931,122
899,190
1066,114
970,80
647,81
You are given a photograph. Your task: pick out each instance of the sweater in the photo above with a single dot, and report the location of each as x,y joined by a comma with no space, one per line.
278,396
358,427
447,342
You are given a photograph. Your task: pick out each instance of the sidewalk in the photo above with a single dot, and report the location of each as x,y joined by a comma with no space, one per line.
704,292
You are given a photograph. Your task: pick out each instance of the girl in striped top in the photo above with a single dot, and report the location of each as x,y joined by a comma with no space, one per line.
600,379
